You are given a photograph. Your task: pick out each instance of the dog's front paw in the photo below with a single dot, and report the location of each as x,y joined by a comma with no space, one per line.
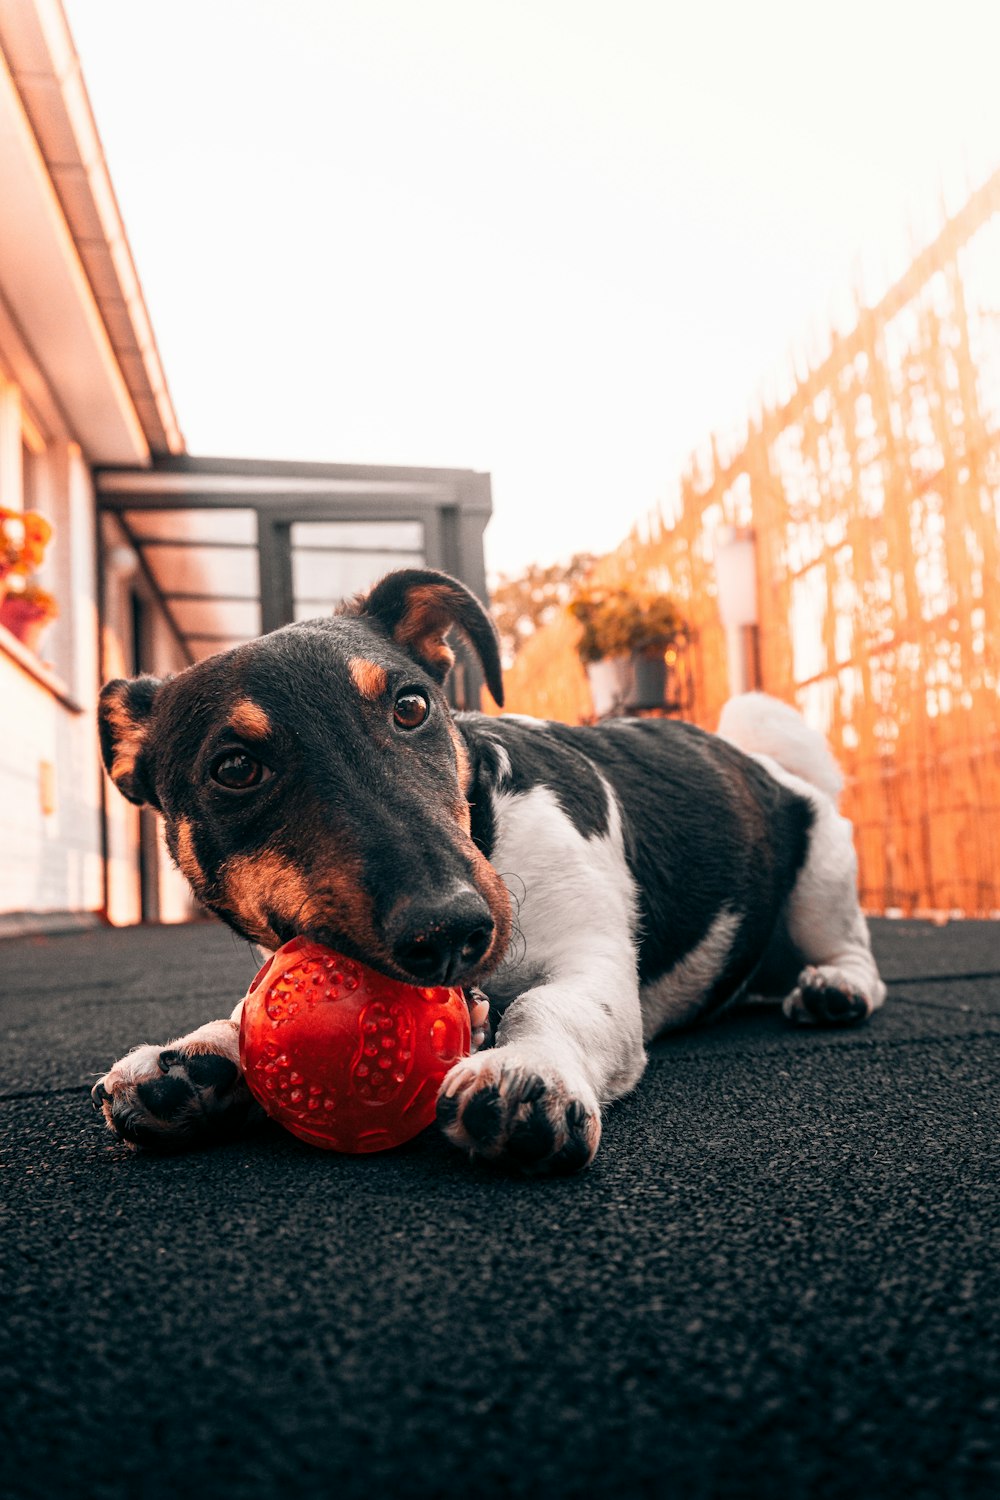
504,1110
825,997
186,1093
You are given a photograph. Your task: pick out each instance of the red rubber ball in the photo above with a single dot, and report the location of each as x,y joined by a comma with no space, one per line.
344,1057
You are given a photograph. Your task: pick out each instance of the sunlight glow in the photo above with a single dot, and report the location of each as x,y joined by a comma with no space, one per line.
562,241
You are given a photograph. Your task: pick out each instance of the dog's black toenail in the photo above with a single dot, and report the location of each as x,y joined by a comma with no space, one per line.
576,1114
531,1088
98,1094
483,1115
210,1070
165,1097
447,1110
168,1060
574,1155
576,1151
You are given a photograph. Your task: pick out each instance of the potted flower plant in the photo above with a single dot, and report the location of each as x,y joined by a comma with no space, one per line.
25,608
26,611
623,640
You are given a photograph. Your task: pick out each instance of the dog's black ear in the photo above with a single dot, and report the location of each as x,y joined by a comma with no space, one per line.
418,607
123,713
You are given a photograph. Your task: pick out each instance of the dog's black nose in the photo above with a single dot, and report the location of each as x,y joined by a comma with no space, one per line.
436,941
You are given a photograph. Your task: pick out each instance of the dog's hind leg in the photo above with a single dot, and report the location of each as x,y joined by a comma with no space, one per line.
840,984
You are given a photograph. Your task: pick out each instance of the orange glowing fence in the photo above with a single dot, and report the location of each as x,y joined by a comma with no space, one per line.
874,496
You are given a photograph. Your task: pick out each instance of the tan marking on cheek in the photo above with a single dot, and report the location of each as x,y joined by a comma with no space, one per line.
247,718
266,886
461,759
187,859
259,886
463,813
341,903
497,897
368,677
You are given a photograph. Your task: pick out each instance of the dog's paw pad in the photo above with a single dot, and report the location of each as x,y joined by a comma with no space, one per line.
532,1140
483,1118
823,997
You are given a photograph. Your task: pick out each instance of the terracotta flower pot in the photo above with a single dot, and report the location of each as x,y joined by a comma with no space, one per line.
25,619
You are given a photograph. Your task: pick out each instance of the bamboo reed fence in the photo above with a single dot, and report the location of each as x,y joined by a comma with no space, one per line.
873,491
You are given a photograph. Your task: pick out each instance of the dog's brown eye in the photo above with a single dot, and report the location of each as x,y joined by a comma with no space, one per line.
237,771
410,710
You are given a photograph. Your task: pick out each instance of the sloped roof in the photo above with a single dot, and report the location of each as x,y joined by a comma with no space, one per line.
42,63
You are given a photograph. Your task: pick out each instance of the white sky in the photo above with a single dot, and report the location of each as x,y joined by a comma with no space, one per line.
559,240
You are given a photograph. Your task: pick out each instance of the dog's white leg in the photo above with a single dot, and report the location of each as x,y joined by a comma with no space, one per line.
841,983
572,1039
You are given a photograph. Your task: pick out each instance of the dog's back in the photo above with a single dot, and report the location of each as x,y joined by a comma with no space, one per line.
713,842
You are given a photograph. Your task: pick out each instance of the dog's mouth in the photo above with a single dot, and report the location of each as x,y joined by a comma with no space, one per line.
451,931
436,953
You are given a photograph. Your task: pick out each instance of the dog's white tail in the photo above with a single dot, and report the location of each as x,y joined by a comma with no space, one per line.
762,725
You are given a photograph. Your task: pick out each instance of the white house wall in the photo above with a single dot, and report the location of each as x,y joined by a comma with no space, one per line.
51,792
51,859
50,796
121,576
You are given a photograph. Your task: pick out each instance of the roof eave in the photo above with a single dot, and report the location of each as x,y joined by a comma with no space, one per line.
43,73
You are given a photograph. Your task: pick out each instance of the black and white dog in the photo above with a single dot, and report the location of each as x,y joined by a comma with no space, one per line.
597,884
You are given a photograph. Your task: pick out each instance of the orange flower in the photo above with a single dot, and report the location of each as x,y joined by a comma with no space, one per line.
23,556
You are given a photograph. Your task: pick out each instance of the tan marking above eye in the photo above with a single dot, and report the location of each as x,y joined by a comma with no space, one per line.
248,719
368,677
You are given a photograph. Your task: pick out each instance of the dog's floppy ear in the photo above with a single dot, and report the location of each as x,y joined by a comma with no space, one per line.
418,607
123,714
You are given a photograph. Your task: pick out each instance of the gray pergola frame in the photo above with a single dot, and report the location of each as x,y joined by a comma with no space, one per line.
452,505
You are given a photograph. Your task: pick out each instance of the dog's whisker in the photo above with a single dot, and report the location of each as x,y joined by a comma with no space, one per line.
516,900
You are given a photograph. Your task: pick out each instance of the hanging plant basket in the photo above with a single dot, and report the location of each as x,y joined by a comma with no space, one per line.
623,641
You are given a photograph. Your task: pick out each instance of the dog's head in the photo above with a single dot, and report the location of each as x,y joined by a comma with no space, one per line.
313,782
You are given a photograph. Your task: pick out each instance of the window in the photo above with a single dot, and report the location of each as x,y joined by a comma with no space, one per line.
28,593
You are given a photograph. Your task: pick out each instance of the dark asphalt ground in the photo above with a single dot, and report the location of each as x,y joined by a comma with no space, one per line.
779,1278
